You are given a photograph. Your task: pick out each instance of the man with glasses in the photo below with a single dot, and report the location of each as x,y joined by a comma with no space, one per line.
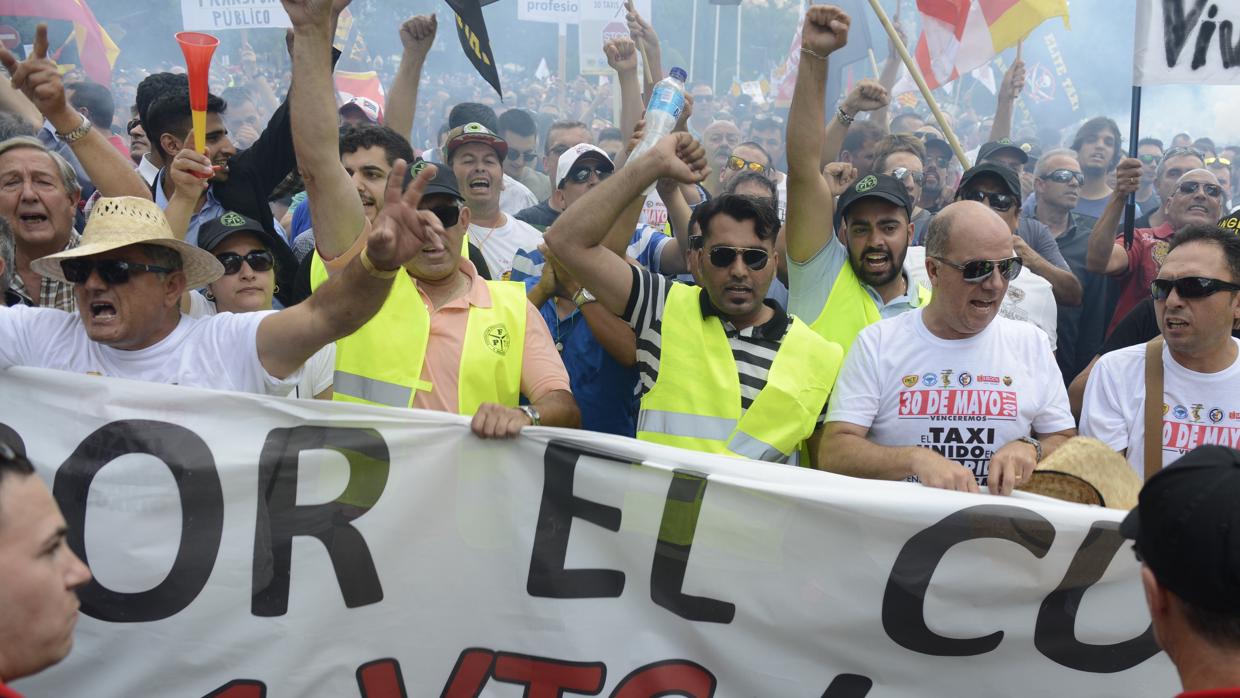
561,136
1196,198
138,145
1150,153
1221,167
768,132
901,157
753,157
517,127
937,167
951,395
1196,302
1167,172
722,370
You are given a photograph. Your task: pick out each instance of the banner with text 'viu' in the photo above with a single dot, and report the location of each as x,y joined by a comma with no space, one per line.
251,546
1186,42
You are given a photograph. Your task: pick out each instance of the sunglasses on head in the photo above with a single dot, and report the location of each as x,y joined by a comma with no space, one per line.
723,256
1182,150
259,260
739,163
112,271
1213,191
998,201
1220,161
1149,159
581,175
901,172
978,270
1064,176
1189,287
526,155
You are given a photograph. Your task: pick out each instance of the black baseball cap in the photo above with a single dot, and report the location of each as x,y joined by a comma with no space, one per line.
215,231
1005,174
873,186
444,181
1003,144
1186,527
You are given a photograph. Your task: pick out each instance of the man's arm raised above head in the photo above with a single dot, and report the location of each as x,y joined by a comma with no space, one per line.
334,203
810,204
417,35
39,80
347,300
577,235
866,95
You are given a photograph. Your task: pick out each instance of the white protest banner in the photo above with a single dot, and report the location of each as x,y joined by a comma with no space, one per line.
553,11
1181,42
218,15
245,546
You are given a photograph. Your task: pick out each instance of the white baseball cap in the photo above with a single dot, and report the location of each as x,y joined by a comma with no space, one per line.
575,153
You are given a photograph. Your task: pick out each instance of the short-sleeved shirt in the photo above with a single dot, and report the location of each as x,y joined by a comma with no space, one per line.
753,348
219,352
810,282
1042,240
1145,257
500,244
964,398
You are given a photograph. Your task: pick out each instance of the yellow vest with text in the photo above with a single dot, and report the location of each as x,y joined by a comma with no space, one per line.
381,363
850,309
696,400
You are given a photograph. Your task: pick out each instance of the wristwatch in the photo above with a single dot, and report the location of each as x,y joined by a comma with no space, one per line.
76,134
535,420
1033,442
583,296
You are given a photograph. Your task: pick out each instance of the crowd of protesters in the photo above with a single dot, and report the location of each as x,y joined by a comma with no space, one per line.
821,285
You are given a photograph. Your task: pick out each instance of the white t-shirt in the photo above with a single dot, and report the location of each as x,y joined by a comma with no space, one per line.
219,352
1029,297
500,245
316,376
1198,408
964,398
515,197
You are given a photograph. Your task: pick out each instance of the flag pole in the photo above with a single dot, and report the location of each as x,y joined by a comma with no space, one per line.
1130,211
921,82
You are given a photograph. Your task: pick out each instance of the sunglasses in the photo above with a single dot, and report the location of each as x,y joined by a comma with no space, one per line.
448,215
1221,161
1189,287
581,175
723,257
259,260
526,155
940,161
112,271
1213,191
996,200
1149,159
1065,176
902,172
739,163
978,270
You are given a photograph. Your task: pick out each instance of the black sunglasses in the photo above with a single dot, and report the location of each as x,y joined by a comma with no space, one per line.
1064,176
978,270
526,155
723,256
996,200
259,260
581,175
1189,287
112,271
448,215
1213,191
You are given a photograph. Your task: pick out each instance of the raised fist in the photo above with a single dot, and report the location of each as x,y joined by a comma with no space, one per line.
866,95
825,29
621,54
417,34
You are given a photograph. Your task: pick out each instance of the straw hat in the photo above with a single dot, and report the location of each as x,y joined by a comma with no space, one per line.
128,220
1086,471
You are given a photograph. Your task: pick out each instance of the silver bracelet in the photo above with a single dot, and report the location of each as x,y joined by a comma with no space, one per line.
819,56
844,117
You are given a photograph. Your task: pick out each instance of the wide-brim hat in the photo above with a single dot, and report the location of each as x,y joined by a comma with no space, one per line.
1086,471
128,220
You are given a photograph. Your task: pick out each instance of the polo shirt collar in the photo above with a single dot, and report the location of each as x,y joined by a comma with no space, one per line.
773,329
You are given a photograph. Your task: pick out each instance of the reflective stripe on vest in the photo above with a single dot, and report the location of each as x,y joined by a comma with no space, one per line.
381,363
696,400
850,309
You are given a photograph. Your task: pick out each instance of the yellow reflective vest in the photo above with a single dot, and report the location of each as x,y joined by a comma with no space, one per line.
381,363
850,309
696,400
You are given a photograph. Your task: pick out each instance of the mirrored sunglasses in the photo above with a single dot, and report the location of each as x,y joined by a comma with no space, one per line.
723,256
1213,191
978,270
901,172
998,201
739,163
1064,176
581,175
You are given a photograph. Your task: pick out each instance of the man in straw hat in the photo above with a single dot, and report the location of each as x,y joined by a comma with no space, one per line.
1186,533
128,276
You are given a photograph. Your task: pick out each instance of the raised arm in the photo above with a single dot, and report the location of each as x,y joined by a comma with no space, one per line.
1104,255
622,57
348,299
187,187
1013,83
417,35
577,235
38,79
1064,284
334,204
647,39
810,205
866,95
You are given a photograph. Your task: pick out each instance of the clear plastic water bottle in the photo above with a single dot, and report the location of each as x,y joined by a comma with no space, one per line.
667,101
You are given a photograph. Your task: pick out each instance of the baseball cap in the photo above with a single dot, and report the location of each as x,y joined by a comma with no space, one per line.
988,150
1186,527
575,153
444,181
370,109
474,132
1005,174
874,186
1230,223
215,231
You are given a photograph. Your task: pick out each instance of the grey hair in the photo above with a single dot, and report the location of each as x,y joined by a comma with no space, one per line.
7,254
1042,169
68,176
1177,153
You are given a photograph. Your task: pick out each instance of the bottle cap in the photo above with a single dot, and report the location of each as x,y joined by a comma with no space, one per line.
679,74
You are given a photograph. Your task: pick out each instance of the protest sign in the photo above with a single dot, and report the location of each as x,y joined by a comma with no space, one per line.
218,15
1183,43
245,545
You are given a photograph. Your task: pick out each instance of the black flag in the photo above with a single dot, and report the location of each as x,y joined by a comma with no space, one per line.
472,29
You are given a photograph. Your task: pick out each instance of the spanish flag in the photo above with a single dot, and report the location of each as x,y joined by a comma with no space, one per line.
96,52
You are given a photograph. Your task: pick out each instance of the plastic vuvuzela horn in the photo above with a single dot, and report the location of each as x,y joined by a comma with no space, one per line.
198,48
